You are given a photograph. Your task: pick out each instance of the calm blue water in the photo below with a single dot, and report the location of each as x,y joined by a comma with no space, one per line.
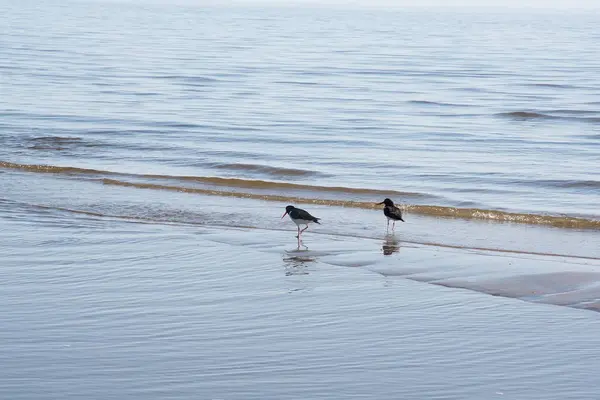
148,151
107,309
497,111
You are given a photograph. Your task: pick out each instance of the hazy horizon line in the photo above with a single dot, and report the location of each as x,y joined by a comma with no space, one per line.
509,5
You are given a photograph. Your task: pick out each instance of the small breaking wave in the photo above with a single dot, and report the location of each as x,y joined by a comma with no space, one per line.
549,115
268,170
572,184
525,115
51,169
429,210
59,143
435,103
552,85
305,194
212,181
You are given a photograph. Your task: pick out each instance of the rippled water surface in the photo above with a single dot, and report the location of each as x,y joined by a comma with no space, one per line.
494,111
147,153
105,308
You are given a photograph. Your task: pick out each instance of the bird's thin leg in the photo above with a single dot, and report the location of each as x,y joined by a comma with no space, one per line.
388,226
299,236
394,226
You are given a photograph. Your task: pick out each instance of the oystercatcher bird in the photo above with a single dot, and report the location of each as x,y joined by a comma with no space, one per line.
300,217
392,213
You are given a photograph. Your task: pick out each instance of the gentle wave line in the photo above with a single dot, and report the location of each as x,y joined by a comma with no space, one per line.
209,180
181,220
218,186
546,115
267,170
430,210
51,169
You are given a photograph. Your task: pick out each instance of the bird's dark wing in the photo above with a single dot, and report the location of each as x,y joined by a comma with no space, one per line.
305,215
394,212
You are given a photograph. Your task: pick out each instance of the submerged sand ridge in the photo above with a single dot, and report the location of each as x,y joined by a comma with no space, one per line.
564,281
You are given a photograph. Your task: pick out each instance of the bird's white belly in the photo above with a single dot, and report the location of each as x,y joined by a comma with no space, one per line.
301,221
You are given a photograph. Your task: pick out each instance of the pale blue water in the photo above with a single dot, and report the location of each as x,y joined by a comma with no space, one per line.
488,110
113,292
106,309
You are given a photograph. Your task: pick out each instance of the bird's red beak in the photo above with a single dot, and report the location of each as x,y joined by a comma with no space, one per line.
284,214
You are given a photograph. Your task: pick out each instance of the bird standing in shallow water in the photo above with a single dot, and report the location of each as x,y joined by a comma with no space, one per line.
391,212
299,217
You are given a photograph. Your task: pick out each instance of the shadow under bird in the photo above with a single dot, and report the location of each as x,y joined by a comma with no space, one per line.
392,213
300,217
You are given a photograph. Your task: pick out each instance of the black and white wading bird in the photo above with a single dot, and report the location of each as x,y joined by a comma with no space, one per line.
392,213
300,217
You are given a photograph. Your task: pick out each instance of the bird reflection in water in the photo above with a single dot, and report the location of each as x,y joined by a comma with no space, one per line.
390,246
296,264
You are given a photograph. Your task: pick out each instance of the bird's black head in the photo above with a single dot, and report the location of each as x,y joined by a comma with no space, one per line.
387,202
288,210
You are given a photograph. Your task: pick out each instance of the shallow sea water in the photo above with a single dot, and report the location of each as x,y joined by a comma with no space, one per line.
147,153
493,111
115,309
